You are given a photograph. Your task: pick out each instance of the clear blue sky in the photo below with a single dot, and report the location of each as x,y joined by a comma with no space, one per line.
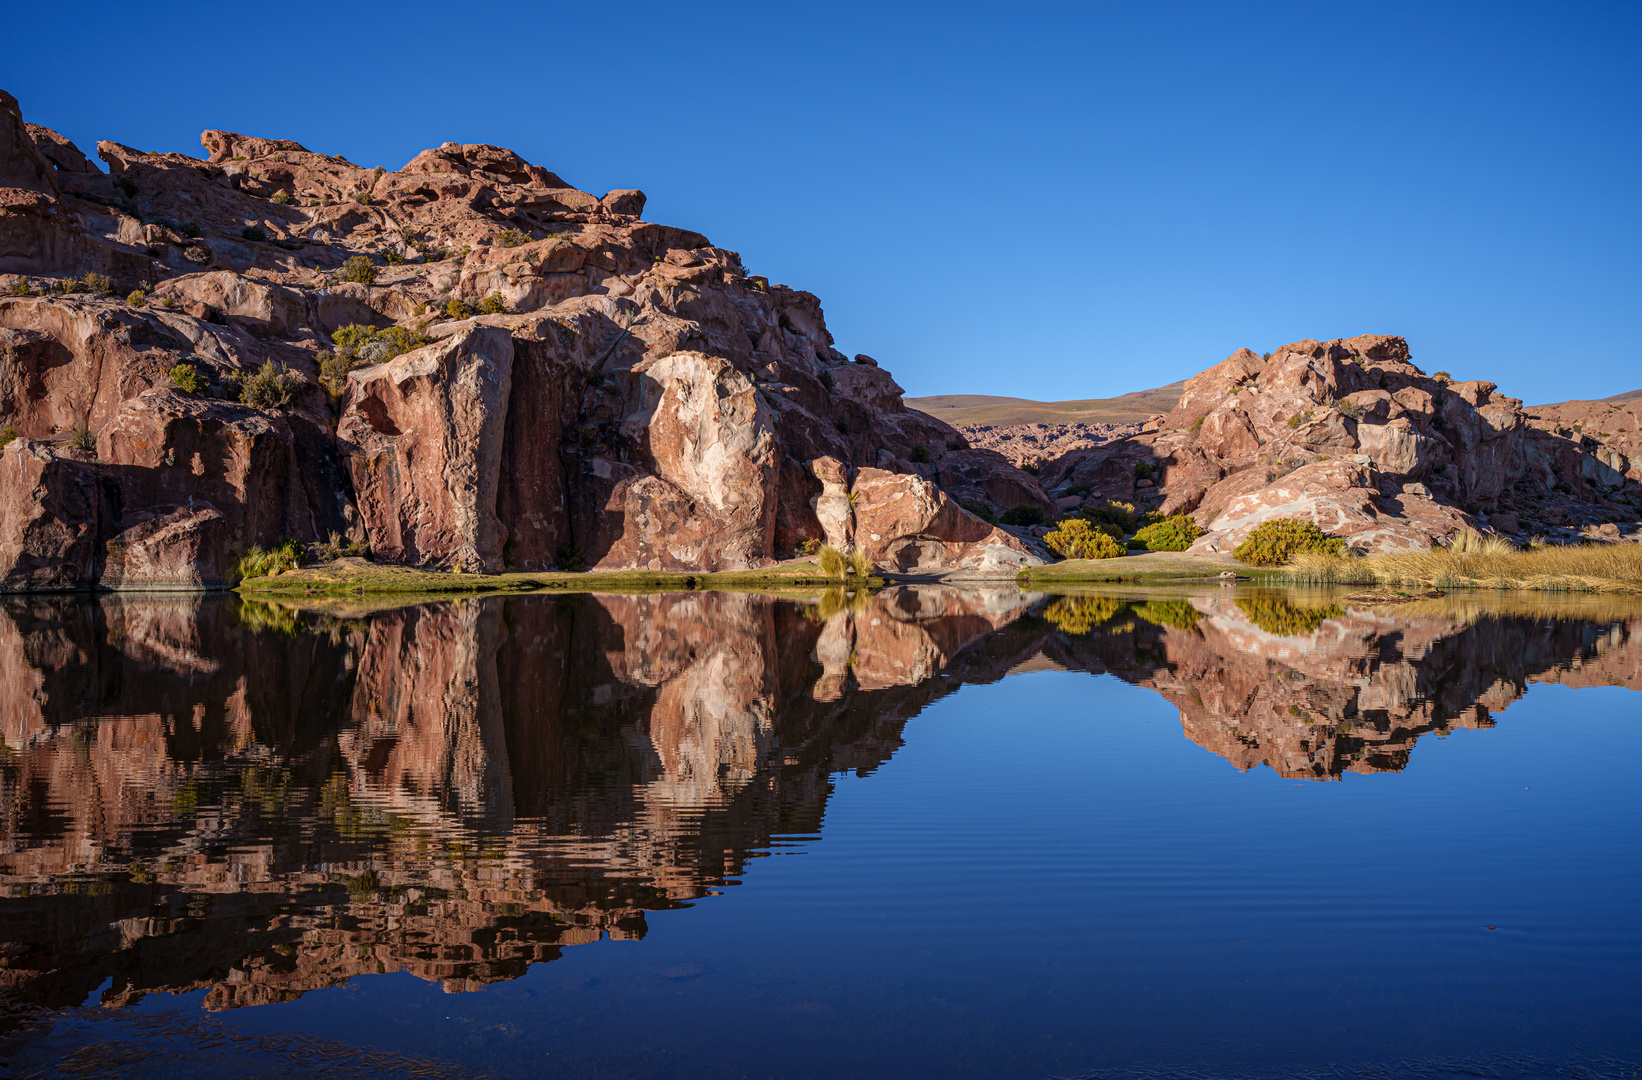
1040,200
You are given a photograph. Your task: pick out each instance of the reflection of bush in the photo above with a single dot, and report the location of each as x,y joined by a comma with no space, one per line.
1175,614
1081,614
272,618
1273,613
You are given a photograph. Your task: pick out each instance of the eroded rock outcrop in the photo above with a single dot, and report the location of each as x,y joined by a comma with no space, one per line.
1353,435
643,401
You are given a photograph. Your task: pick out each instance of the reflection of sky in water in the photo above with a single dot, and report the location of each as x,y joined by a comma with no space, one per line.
929,834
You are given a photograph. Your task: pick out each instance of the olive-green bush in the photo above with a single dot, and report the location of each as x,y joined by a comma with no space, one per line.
1077,538
186,377
1170,534
1274,542
359,268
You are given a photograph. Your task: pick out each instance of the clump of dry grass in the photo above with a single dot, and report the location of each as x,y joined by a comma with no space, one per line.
1484,563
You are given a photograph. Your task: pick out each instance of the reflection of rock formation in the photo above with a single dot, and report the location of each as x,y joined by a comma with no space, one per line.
1351,690
457,791
260,803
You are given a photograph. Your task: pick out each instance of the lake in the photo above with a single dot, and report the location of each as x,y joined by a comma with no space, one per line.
941,832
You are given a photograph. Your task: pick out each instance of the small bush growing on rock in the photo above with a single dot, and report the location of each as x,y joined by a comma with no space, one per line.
1030,467
8,434
1076,538
393,257
1121,514
20,287
253,233
81,438
1349,409
359,268
1170,534
363,198
333,373
455,309
492,305
186,377
197,254
97,284
1024,515
271,387
570,560
826,379
127,185
281,197
136,298
1300,418
954,444
66,286
1442,377
214,314
1274,542
509,238
338,547
919,454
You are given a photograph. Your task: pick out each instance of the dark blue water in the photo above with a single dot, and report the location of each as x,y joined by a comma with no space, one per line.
1030,874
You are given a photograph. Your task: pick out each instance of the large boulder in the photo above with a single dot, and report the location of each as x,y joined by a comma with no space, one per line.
906,524
423,436
49,518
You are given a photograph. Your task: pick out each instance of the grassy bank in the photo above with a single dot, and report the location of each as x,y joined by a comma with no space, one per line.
1581,568
1152,566
349,577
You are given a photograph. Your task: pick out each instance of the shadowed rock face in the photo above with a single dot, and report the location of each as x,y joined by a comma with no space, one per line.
261,802
632,396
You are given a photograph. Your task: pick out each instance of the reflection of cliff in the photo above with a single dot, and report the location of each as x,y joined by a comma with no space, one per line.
457,790
1317,689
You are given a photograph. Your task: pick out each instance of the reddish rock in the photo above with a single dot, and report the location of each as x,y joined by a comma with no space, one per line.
49,519
423,435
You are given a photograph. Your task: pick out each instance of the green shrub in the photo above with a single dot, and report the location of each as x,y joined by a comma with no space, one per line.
1274,542
455,309
1076,538
66,285
97,284
359,268
825,376
127,185
982,511
1030,467
1170,534
512,238
136,298
338,547
1121,514
831,561
81,438
492,305
1272,612
363,198
1442,377
1023,516
7,435
254,233
20,287
268,562
860,564
570,560
920,454
333,373
186,377
1349,409
282,198
393,257
1300,418
271,387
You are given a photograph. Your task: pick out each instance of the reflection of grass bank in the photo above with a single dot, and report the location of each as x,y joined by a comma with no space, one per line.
350,577
1153,566
1581,568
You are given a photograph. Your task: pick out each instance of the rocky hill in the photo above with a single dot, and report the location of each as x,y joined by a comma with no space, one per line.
966,410
535,377
1353,435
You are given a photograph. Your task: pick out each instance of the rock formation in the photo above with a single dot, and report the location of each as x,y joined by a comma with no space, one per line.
1352,435
627,396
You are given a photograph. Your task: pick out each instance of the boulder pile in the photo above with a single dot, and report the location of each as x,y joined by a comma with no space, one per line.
528,376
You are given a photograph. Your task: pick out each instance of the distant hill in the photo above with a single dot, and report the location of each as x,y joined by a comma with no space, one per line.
1629,395
981,409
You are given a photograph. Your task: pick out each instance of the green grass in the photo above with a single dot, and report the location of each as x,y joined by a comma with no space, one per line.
1151,566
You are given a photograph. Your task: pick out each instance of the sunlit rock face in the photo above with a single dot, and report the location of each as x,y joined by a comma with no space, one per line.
260,801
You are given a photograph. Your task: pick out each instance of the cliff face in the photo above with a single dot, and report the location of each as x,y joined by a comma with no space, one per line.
203,794
1353,435
633,397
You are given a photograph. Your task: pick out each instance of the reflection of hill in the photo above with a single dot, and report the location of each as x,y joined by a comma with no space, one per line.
457,790
463,789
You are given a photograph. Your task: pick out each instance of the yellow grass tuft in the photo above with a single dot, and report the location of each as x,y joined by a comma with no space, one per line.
1489,564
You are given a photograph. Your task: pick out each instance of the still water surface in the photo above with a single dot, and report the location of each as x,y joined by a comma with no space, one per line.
933,833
